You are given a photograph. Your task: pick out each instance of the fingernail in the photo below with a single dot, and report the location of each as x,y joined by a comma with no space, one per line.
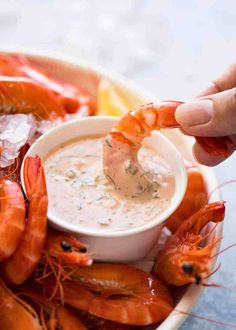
194,113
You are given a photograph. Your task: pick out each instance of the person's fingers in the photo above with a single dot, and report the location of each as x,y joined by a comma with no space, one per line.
226,81
211,89
184,132
213,115
205,158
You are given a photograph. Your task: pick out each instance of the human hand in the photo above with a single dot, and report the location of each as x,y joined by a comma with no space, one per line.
213,113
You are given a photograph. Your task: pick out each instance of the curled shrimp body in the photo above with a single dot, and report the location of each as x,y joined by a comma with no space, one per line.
22,262
68,320
123,142
116,292
12,217
183,259
15,314
195,197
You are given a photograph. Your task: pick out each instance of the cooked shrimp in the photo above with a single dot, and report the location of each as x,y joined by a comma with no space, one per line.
115,292
15,314
20,265
12,214
72,98
183,259
123,142
195,197
93,322
66,249
67,320
22,95
52,315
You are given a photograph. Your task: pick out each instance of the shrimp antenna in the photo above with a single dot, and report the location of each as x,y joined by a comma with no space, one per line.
220,186
223,250
224,324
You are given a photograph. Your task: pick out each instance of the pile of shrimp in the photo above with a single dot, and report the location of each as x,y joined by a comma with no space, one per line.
47,278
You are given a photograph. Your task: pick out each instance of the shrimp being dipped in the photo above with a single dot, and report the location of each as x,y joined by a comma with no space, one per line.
121,146
183,259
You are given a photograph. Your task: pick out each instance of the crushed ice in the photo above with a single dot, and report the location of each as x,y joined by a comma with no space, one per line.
18,129
15,131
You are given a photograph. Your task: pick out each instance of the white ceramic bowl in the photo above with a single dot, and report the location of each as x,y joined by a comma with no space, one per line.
121,246
76,71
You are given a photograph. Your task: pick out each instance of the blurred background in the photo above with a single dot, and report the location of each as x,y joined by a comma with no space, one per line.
170,48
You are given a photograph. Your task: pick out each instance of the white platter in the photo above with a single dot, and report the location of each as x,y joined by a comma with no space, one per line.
70,69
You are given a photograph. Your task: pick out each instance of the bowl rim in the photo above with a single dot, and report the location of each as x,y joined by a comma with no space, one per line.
175,200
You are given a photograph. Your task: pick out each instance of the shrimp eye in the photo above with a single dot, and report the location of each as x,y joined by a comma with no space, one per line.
198,280
82,249
66,246
187,268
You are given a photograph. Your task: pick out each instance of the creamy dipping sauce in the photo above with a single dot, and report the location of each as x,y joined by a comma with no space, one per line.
80,194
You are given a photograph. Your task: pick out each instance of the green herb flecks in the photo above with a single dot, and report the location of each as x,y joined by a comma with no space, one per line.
130,168
110,178
108,142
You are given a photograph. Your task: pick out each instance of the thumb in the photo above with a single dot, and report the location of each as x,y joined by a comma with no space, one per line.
213,115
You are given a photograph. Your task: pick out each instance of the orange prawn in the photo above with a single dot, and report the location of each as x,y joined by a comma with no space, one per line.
72,98
93,322
12,215
15,314
53,315
20,265
114,292
68,320
66,249
9,66
22,95
195,197
123,142
183,259
24,244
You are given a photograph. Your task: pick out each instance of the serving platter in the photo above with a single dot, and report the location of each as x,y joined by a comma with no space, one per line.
77,72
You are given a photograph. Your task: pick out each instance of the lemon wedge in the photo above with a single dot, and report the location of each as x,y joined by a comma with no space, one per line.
110,102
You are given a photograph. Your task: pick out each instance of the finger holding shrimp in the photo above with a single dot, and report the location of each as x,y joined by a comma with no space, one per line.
212,113
121,146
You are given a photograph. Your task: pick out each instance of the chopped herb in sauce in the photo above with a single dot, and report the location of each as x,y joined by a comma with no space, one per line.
70,174
107,141
105,222
130,168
